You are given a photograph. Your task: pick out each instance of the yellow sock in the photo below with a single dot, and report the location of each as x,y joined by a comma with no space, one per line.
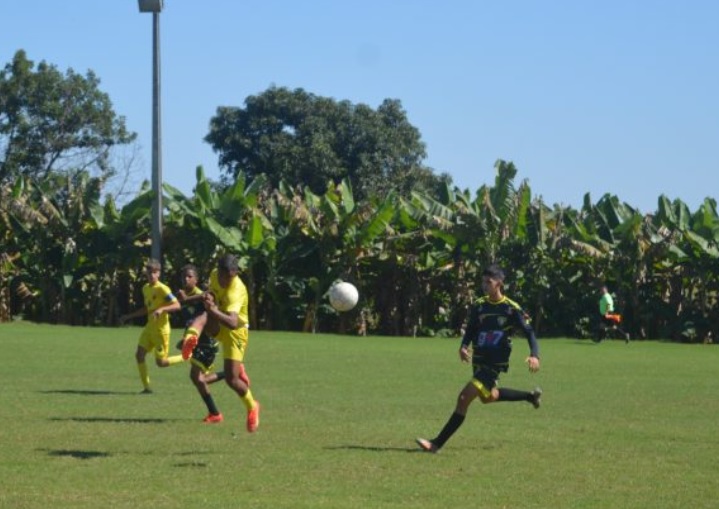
144,375
175,359
248,400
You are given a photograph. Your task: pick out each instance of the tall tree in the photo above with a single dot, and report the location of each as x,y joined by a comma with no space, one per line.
301,139
54,122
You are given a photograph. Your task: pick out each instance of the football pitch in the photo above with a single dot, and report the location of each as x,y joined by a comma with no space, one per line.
621,426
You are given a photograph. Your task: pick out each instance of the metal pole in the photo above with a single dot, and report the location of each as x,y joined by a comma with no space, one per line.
156,142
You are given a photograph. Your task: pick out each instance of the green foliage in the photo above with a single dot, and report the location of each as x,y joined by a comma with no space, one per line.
301,139
78,435
50,122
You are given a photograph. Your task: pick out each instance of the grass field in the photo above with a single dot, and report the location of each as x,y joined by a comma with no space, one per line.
621,426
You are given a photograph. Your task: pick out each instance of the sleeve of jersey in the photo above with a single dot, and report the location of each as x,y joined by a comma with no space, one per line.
471,330
168,295
529,333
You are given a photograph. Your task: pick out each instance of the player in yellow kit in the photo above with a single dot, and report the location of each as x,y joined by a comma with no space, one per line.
155,337
226,303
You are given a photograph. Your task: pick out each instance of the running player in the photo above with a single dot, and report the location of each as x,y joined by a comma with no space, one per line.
491,322
155,337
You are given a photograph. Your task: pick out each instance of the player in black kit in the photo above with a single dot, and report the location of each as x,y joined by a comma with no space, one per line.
492,320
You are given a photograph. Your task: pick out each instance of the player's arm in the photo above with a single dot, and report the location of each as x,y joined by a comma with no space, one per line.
135,314
184,298
533,359
469,333
230,319
170,306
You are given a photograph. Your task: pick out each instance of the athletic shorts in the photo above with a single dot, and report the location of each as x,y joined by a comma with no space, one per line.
234,343
485,379
203,355
155,341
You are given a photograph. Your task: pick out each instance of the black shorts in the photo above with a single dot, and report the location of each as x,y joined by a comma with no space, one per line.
486,375
203,355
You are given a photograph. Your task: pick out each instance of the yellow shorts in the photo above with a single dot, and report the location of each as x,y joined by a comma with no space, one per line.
234,343
155,341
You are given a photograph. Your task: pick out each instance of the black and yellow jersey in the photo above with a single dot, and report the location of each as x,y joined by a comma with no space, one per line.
490,328
192,309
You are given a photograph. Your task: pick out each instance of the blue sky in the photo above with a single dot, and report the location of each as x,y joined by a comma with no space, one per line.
611,96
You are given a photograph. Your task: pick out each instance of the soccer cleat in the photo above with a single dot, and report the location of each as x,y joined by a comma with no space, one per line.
427,445
146,390
253,418
188,346
243,375
536,397
213,418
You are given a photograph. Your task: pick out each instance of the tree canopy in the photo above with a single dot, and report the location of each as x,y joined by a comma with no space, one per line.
54,122
301,139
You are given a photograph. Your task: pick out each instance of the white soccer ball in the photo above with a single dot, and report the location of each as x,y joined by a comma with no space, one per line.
343,296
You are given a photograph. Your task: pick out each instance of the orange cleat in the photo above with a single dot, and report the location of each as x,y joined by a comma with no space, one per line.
253,418
213,419
188,346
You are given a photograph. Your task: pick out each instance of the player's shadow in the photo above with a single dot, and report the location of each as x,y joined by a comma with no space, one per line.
85,392
123,420
372,448
77,454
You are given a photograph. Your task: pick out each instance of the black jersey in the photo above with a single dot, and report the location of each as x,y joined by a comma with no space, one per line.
489,331
192,309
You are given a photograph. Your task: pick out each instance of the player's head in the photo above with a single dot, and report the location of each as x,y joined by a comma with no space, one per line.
189,276
152,270
227,269
492,280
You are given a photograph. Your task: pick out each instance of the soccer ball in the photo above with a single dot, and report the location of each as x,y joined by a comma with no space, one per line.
343,296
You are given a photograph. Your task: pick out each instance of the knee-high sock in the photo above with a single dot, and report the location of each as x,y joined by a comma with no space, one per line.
144,375
453,424
514,395
248,400
175,359
210,403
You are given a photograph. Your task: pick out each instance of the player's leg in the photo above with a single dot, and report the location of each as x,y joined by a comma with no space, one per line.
469,393
143,346
233,350
200,381
192,335
201,374
534,397
161,343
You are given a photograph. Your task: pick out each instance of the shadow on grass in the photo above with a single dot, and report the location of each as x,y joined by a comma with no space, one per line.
191,464
111,419
86,392
372,448
80,455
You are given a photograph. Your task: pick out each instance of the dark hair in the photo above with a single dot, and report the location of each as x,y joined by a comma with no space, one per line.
187,268
227,263
495,272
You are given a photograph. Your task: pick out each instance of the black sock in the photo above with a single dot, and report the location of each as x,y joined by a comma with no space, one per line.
514,395
210,404
453,424
220,376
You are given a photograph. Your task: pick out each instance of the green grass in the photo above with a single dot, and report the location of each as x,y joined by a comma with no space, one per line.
620,426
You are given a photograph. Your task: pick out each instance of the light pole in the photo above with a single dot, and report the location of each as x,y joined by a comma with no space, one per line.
155,7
